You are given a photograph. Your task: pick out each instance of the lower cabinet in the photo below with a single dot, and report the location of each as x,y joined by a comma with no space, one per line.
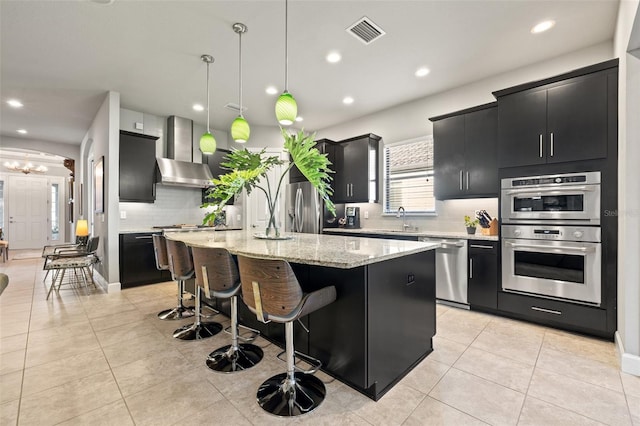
483,274
138,262
555,313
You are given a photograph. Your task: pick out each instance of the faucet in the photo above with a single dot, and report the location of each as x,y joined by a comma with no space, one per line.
404,217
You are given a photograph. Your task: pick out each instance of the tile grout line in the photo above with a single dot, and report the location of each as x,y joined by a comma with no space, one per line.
535,365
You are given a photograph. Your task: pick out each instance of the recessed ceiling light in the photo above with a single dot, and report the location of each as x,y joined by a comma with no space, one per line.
421,72
299,119
15,103
333,57
271,90
198,107
348,100
542,27
22,131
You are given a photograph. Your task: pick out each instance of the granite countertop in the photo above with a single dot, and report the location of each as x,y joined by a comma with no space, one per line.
430,234
312,249
150,229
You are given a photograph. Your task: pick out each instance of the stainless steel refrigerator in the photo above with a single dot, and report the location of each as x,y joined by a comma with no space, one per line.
304,209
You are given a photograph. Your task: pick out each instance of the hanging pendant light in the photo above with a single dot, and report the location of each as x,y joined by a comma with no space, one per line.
240,129
208,143
286,106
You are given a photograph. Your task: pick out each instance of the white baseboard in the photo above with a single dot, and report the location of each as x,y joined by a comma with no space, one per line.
106,286
629,363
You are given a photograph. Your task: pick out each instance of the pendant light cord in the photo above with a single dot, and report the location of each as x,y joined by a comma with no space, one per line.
286,45
240,63
208,130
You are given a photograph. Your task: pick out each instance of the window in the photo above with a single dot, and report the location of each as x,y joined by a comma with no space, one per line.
55,213
408,176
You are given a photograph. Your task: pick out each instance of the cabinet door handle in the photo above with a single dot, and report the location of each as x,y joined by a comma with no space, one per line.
146,237
460,180
351,190
467,181
552,144
470,268
480,246
540,145
548,311
347,190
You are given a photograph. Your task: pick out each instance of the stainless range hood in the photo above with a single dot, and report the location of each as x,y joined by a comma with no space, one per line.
179,169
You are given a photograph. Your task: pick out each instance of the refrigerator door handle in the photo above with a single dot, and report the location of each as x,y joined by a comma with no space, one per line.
300,215
296,211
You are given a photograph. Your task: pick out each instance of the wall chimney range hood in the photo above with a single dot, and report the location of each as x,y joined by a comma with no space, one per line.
179,169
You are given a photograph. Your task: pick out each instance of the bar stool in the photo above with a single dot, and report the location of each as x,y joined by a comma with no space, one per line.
271,290
162,264
217,274
181,267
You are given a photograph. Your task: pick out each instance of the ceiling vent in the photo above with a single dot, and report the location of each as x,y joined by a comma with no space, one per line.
235,107
366,30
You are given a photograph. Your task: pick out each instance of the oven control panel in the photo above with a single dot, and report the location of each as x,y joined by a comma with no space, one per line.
558,233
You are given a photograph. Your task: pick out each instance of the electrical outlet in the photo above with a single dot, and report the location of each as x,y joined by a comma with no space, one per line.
123,214
366,214
239,218
139,126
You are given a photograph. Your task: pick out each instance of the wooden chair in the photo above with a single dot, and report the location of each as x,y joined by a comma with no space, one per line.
181,267
217,274
162,264
271,290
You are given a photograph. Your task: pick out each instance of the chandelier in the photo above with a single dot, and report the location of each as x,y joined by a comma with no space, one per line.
26,168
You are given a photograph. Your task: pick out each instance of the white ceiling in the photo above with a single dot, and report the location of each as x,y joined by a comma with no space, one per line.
60,57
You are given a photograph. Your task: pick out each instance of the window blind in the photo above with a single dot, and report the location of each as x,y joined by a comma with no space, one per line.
408,176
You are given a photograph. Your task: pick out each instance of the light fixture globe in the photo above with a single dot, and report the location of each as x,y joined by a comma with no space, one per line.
208,143
286,109
240,130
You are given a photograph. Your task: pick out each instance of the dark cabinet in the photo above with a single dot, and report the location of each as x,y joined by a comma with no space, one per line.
325,146
137,167
138,262
356,167
214,162
483,274
559,122
465,144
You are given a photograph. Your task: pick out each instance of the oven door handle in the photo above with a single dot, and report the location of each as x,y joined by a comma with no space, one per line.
549,191
551,248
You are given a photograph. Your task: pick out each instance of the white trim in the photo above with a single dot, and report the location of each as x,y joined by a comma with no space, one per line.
106,286
629,363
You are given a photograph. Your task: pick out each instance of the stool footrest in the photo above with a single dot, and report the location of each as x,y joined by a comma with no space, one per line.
316,364
253,333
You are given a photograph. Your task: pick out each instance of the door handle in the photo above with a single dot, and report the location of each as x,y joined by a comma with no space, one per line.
300,212
470,268
460,180
541,145
347,190
548,311
467,181
552,144
480,246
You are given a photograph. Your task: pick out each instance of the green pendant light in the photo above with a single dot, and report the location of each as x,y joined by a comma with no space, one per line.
286,106
240,130
208,143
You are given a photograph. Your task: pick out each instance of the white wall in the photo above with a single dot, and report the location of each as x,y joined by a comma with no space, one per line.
628,335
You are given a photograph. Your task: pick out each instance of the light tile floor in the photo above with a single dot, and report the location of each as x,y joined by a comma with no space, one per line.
89,358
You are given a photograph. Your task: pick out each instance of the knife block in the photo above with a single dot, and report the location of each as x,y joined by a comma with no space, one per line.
492,229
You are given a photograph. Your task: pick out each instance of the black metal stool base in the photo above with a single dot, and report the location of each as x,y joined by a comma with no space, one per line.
309,394
176,313
224,360
200,331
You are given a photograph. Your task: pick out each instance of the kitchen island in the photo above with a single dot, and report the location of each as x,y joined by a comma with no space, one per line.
383,320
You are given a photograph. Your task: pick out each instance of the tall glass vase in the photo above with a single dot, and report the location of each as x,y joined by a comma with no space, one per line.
273,224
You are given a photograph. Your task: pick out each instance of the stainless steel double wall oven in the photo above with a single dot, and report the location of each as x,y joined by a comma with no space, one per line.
551,237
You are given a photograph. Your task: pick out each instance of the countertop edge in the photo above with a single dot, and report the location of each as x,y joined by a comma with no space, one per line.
430,234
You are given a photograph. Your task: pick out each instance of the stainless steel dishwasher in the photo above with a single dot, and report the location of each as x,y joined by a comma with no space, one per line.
451,270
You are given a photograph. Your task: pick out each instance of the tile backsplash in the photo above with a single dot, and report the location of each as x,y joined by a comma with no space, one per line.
173,205
449,215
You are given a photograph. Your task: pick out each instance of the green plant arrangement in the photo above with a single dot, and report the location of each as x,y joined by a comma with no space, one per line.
470,223
248,171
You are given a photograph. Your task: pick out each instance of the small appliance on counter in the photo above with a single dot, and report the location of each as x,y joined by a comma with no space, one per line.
352,215
331,221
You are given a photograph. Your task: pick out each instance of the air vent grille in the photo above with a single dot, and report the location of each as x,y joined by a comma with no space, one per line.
366,30
235,107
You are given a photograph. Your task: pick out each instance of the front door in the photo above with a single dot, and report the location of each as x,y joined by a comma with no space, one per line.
28,213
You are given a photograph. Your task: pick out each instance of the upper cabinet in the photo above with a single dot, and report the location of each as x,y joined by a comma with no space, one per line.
214,162
557,120
464,153
356,167
325,146
137,167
